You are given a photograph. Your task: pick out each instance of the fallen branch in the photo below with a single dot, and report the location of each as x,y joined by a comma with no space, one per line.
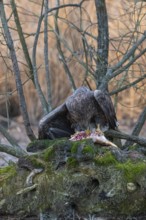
121,135
12,150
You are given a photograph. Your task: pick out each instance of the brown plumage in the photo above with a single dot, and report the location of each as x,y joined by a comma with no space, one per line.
84,109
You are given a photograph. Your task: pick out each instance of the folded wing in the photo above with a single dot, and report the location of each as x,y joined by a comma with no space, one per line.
105,103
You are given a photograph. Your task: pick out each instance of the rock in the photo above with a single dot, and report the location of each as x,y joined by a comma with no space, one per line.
131,187
80,180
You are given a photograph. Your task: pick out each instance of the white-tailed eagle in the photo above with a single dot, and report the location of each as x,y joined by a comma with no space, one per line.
84,109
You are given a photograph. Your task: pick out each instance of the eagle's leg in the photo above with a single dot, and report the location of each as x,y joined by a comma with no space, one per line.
57,133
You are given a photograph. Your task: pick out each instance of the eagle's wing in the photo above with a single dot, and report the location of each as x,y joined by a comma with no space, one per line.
56,119
107,107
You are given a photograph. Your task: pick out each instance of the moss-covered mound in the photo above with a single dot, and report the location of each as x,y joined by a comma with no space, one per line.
76,180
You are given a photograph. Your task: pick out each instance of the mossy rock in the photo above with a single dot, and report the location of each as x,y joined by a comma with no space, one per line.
79,180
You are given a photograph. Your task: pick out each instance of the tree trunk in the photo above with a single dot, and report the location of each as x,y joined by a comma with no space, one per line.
102,40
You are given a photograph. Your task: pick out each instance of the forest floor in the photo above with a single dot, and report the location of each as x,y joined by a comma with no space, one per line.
17,130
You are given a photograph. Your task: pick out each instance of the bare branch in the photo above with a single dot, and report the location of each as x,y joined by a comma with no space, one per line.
129,53
86,58
83,64
11,140
40,93
10,45
46,56
128,86
140,122
62,58
73,26
43,101
116,73
22,39
65,6
38,87
138,126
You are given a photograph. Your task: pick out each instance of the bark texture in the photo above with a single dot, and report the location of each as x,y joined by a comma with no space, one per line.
102,41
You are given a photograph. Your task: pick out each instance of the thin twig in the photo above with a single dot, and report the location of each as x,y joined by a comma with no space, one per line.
128,86
38,87
117,69
116,73
83,64
43,101
40,93
129,53
64,6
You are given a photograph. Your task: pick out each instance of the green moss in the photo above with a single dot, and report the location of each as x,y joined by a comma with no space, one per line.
127,207
88,150
132,169
84,146
132,206
36,161
7,172
105,159
48,154
72,162
38,145
74,148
